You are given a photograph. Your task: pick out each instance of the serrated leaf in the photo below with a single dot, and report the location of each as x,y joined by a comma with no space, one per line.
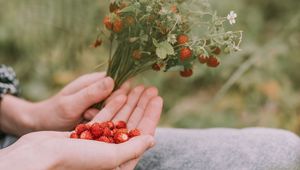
161,53
163,49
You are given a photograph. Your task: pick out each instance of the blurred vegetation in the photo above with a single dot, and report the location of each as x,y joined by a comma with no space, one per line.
47,42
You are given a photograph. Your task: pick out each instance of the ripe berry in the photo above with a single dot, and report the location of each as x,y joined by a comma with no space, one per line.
123,130
185,53
134,132
117,26
111,140
136,54
107,132
86,135
216,50
182,39
213,62
121,137
80,128
74,135
107,23
96,130
121,125
203,59
156,67
103,139
186,72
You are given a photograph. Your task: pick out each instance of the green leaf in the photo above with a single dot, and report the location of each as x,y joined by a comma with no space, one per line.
163,49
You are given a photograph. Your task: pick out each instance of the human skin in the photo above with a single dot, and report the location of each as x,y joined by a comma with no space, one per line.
140,108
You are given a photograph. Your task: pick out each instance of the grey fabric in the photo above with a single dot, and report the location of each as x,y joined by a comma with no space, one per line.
7,140
223,149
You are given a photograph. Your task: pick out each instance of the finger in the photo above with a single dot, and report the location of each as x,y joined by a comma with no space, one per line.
124,89
88,96
138,112
131,103
134,148
82,82
90,113
109,110
151,117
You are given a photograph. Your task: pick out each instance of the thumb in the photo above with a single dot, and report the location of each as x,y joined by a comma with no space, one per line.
134,148
90,95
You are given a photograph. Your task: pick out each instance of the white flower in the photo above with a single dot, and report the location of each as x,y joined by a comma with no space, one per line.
231,17
148,8
172,38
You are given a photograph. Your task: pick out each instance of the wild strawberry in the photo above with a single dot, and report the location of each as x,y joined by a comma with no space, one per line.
136,54
123,130
120,137
186,72
74,135
121,125
103,139
97,43
96,130
216,50
156,67
174,9
185,53
213,62
80,128
203,59
111,140
86,135
107,23
182,39
117,25
107,132
134,132
110,125
130,20
104,125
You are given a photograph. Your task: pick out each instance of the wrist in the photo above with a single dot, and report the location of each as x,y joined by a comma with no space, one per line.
16,116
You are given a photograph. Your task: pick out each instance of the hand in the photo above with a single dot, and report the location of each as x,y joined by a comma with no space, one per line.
141,110
61,112
55,150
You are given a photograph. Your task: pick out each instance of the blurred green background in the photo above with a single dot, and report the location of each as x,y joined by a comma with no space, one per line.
47,42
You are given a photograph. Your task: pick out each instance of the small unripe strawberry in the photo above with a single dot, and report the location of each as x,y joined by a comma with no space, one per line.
103,139
74,135
107,132
203,59
107,23
86,135
213,62
186,72
182,39
97,43
216,50
96,130
136,54
156,67
185,53
80,128
134,132
117,25
121,125
121,137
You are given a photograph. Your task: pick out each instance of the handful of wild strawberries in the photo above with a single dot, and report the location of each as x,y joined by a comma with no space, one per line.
107,132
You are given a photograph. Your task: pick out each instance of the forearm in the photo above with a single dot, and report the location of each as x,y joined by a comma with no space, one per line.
16,116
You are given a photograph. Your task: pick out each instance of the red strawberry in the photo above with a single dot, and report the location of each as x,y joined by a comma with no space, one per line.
74,135
117,26
120,137
136,54
186,72
110,125
107,132
156,67
134,132
123,130
213,62
216,50
86,135
111,140
103,139
185,53
96,130
182,39
121,125
104,125
203,59
80,128
107,23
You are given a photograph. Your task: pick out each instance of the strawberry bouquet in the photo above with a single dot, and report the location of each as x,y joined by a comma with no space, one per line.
165,35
